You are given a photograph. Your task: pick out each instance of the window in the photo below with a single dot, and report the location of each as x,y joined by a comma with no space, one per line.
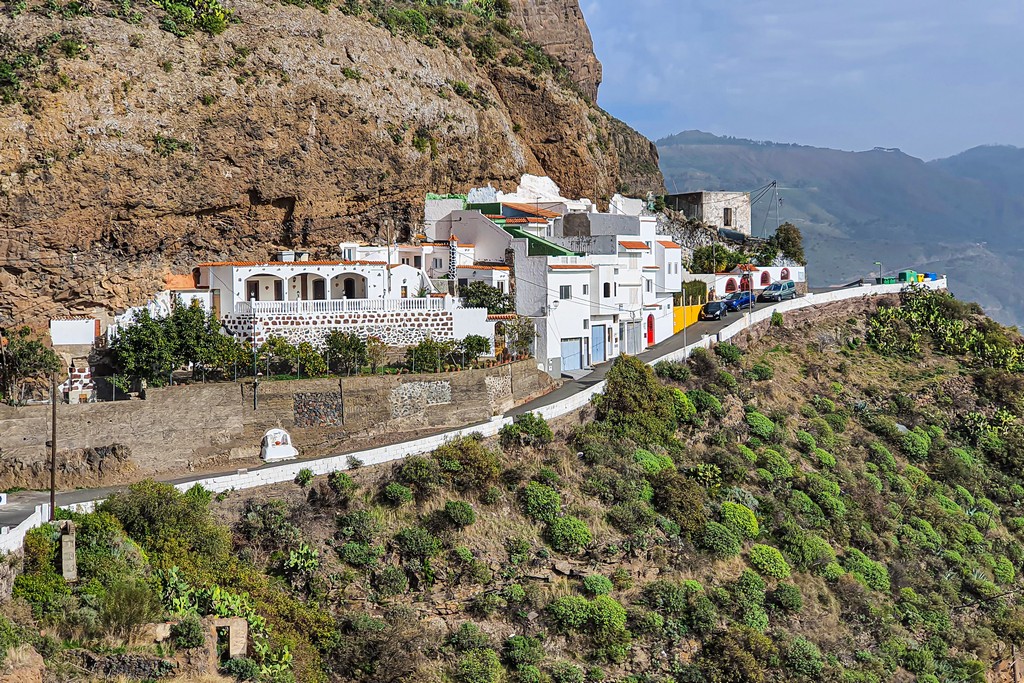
727,217
607,289
616,289
436,263
501,286
405,261
730,286
785,274
565,292
648,285
417,261
766,278
586,289
586,324
405,292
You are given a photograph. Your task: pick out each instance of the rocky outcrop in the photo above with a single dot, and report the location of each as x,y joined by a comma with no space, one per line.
558,26
145,153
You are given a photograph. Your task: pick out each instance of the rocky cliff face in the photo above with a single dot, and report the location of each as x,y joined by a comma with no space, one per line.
127,153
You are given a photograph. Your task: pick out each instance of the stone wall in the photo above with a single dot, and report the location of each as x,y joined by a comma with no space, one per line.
187,428
394,328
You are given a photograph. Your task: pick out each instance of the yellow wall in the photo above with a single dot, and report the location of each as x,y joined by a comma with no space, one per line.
684,316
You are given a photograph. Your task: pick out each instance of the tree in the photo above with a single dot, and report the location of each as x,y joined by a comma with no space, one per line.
23,356
144,351
474,346
715,258
429,355
192,333
636,403
278,356
376,353
481,295
519,335
790,242
346,350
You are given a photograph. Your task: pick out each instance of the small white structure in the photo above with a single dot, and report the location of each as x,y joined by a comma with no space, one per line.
277,445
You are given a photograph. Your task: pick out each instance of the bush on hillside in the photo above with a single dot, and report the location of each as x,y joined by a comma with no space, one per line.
568,534
769,561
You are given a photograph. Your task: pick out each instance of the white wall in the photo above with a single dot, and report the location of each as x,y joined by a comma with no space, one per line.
73,332
468,321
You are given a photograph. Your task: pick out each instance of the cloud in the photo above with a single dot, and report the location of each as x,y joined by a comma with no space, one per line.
932,77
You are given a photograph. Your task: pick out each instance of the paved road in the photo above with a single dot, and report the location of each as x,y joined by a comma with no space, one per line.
21,505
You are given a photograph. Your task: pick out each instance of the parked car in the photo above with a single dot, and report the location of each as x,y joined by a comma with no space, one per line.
713,310
778,291
739,301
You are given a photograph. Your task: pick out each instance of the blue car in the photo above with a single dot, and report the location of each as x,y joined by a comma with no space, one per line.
739,301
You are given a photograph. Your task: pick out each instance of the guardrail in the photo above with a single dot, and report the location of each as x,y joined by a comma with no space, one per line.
12,539
341,306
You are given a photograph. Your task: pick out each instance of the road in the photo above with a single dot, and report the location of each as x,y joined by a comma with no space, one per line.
20,505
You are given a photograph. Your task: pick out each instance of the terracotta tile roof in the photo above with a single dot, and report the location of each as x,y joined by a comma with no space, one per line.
525,220
502,316
494,216
466,245
175,282
747,267
570,266
531,209
652,267
669,245
475,267
631,244
249,264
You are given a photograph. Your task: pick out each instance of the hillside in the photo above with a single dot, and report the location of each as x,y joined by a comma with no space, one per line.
138,139
837,501
960,216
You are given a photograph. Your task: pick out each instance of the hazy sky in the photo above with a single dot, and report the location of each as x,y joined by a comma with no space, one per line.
932,77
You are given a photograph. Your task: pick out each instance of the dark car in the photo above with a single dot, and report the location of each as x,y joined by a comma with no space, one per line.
740,301
713,310
778,291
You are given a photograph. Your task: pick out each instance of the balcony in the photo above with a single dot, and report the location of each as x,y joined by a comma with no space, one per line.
341,306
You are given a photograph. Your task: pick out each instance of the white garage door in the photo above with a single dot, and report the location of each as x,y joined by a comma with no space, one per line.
572,354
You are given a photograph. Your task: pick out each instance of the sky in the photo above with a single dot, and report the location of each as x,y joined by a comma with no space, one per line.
931,77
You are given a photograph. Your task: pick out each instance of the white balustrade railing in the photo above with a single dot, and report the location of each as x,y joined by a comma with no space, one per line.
341,306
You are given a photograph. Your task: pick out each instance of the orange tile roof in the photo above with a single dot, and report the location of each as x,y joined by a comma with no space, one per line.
532,210
175,282
570,266
466,245
669,245
248,264
485,267
502,316
494,216
652,267
630,244
748,267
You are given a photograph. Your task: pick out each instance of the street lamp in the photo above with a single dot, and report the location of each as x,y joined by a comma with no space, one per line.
879,264
256,390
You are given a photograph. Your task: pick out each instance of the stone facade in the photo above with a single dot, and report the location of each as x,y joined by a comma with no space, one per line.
498,387
410,398
394,328
319,409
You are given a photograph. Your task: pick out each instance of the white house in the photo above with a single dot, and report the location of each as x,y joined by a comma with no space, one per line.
753,278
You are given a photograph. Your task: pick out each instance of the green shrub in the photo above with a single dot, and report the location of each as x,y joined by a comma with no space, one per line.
802,658
749,455
520,651
760,425
718,540
769,561
680,499
459,514
740,519
564,672
651,463
423,475
683,407
787,598
359,554
832,571
1003,571
241,669
678,372
467,463
881,456
597,584
305,477
762,372
634,517
776,319
730,353
359,525
869,572
528,429
822,432
806,550
726,380
916,444
396,494
806,441
541,502
529,673
188,633
776,463
705,403
480,665
514,593
391,581
468,636
416,543
570,612
825,459
341,484
568,534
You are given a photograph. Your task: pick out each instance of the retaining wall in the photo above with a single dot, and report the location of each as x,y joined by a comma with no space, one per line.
244,479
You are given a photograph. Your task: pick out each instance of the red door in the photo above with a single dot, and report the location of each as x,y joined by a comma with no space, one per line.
650,330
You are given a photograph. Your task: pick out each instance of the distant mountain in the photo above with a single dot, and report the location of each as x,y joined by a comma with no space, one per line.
963,215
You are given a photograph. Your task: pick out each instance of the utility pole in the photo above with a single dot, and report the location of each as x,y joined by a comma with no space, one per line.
53,445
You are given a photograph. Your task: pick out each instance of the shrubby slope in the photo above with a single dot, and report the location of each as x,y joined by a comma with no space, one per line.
838,501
